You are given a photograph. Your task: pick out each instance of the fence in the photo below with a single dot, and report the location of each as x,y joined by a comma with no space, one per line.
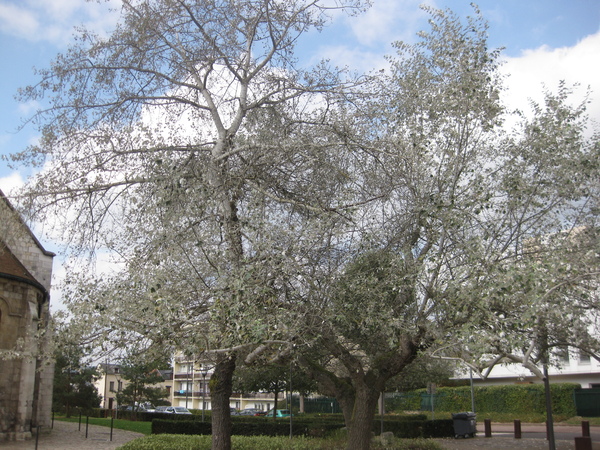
500,399
323,405
587,402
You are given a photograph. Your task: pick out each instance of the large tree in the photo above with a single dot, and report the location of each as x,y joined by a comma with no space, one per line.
274,378
189,144
143,383
74,381
253,204
456,200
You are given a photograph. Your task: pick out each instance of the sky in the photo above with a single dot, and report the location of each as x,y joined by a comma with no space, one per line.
544,41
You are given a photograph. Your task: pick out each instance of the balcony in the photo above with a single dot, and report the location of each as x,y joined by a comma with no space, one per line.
235,395
188,376
190,394
253,395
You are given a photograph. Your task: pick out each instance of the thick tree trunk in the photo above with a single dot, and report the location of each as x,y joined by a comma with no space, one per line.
221,387
361,423
346,399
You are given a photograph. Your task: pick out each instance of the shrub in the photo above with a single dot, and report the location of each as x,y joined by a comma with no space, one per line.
178,442
417,428
512,399
163,426
402,427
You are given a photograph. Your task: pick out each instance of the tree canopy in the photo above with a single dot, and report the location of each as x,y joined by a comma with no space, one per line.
143,384
74,380
350,222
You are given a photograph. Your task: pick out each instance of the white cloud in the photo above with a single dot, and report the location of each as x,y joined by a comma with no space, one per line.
53,21
11,182
353,57
544,67
29,108
387,21
17,20
361,41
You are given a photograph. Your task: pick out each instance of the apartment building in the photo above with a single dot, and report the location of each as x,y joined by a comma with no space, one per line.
111,381
575,367
191,388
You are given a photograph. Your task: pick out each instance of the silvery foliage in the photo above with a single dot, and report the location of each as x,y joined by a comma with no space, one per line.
237,190
484,236
189,147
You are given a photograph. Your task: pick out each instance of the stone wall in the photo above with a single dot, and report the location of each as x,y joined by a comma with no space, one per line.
25,378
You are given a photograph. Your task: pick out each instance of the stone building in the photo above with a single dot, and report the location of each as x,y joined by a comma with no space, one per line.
26,376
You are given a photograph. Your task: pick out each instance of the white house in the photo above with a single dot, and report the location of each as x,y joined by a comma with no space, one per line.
574,368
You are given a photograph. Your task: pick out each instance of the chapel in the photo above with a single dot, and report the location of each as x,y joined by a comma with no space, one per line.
26,370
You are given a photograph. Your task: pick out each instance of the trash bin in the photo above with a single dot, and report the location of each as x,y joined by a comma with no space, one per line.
464,424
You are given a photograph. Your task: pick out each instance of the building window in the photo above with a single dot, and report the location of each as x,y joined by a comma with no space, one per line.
112,386
120,386
562,353
584,358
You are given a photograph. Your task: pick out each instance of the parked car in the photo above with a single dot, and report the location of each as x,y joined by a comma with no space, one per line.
252,412
147,407
139,408
172,410
279,413
234,412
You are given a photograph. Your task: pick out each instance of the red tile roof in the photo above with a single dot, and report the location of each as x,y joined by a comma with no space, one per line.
10,265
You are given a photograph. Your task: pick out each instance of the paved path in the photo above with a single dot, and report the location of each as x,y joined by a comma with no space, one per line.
67,436
533,438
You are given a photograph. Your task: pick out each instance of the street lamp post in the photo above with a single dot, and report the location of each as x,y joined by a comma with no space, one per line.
204,373
187,383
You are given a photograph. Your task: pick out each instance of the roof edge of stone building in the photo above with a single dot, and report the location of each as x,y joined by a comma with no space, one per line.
35,239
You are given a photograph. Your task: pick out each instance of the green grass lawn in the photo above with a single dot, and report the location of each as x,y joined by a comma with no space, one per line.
121,424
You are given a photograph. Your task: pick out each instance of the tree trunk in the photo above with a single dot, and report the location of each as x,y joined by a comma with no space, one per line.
361,423
346,399
221,387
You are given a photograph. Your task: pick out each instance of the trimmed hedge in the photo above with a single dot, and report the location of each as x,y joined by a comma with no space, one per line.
402,427
164,426
254,428
413,429
513,399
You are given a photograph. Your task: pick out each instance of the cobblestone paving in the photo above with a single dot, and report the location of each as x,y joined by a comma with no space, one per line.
503,438
502,443
67,436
